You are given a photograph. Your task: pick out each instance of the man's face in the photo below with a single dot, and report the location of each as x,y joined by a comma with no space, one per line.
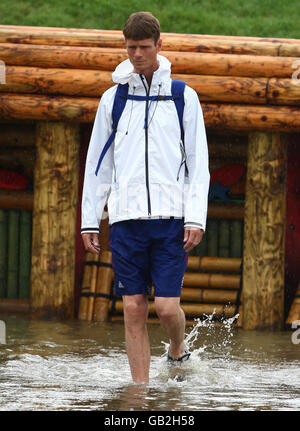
143,54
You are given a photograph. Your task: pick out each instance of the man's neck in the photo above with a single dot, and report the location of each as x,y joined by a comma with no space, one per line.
148,74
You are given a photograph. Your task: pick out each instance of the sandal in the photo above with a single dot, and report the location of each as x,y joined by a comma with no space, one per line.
181,359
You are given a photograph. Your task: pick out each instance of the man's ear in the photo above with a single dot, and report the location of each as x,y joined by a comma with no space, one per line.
159,45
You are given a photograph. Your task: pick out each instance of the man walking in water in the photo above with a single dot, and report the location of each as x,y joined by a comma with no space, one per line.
155,180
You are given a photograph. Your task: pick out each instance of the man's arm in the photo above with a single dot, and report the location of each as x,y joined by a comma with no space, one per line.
197,184
96,188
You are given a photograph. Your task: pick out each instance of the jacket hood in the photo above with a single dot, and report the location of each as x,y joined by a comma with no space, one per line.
124,74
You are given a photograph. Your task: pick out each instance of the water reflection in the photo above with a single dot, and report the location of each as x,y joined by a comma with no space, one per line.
78,365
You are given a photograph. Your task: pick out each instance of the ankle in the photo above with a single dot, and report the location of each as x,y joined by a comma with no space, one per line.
177,351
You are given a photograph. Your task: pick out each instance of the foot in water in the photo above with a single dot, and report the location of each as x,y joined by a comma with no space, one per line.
176,372
179,360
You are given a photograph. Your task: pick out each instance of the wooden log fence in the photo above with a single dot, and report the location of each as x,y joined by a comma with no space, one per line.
246,85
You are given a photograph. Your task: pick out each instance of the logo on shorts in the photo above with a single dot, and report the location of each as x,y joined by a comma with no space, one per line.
121,286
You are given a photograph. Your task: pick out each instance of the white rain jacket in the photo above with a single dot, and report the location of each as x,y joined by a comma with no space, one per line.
143,174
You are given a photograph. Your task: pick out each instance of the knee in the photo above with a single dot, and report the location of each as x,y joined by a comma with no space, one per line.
167,311
135,310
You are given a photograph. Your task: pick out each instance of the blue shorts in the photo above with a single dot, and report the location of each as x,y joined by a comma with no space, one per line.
146,252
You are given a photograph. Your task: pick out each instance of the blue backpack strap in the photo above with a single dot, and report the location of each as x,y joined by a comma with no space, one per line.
118,108
177,90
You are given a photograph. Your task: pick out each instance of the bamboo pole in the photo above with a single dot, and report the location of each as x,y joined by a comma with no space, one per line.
217,116
264,232
52,56
93,284
54,220
174,42
294,313
208,296
215,281
228,264
104,281
91,260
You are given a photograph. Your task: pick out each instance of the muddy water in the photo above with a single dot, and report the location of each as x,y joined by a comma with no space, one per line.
78,365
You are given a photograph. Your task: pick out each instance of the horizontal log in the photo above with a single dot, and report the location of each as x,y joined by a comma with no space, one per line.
69,82
226,264
217,116
52,56
41,107
16,199
20,136
283,91
163,34
252,117
174,42
229,211
224,151
11,157
93,83
90,83
14,305
194,310
215,281
189,322
208,296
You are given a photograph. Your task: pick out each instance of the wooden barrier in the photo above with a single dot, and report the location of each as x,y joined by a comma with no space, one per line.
245,85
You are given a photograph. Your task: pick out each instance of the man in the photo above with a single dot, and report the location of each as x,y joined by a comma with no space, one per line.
155,185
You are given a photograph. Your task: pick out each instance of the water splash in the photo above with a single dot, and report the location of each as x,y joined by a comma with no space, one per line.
198,366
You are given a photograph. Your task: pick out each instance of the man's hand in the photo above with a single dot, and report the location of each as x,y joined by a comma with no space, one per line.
91,242
192,237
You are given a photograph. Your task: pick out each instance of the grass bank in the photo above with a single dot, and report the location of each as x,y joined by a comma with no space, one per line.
262,18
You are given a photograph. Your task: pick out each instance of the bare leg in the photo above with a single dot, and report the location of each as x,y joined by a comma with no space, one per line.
136,336
172,320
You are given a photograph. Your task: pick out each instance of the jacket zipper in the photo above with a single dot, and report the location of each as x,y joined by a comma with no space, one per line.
183,159
146,144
